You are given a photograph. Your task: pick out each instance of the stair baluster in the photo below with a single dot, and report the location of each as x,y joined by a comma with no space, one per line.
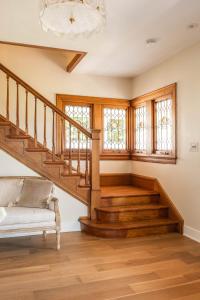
62,139
35,124
79,154
53,138
86,164
26,113
45,124
17,109
7,98
70,149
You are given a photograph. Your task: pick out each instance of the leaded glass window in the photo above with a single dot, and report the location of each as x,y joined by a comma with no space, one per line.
164,125
82,115
140,129
114,128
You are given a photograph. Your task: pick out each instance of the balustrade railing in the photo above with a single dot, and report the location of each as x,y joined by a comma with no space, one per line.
38,117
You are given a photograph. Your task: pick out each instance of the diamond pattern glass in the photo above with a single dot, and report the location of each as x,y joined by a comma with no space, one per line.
80,114
140,129
163,111
114,128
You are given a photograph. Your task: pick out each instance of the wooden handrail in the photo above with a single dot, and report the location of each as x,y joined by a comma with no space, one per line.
45,101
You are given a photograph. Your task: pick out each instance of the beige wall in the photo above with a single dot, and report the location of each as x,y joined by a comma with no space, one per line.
44,72
181,181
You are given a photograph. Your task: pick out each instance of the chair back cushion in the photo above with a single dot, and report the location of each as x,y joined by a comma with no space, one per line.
35,193
10,189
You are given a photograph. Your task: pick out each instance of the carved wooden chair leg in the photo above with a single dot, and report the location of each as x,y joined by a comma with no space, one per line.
44,235
58,239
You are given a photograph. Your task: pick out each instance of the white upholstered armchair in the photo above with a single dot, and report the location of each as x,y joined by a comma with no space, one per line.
27,205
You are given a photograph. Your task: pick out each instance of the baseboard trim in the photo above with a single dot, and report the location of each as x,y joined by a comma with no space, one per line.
192,233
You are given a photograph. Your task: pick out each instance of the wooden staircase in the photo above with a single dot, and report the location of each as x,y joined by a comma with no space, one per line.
76,171
138,209
119,205
39,159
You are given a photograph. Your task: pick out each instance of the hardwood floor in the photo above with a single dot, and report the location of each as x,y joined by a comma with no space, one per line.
149,268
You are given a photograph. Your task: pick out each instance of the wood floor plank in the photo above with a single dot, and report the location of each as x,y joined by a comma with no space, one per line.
148,268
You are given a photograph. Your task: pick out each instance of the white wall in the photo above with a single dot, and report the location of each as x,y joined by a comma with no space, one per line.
181,181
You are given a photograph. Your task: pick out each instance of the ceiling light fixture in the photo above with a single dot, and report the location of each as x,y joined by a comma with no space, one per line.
73,17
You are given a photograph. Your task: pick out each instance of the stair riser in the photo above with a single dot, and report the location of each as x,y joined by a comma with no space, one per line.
128,216
130,233
117,201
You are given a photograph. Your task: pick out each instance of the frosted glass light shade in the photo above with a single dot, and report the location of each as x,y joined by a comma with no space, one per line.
73,17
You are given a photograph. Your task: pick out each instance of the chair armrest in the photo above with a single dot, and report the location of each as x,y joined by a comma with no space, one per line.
53,205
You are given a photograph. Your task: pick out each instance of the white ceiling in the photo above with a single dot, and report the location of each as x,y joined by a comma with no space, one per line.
121,50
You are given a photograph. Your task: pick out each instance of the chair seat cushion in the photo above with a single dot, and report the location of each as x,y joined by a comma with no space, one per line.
24,215
32,227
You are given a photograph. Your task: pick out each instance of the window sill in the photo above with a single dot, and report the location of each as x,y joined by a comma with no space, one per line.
115,155
154,158
126,155
106,155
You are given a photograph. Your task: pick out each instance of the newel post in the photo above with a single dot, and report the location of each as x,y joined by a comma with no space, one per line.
95,173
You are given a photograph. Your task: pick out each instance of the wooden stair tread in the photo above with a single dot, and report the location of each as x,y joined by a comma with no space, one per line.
36,149
54,162
125,191
18,137
126,208
4,123
128,225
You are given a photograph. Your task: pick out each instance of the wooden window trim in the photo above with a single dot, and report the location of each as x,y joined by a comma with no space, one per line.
98,103
116,153
134,129
149,100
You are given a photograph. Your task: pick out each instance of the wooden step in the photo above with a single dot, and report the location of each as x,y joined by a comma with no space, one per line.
54,162
70,175
131,213
127,195
131,200
122,191
4,123
36,149
18,137
129,229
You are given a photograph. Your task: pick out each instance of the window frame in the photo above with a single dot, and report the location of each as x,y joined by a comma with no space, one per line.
117,151
134,128
151,155
70,103
97,104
